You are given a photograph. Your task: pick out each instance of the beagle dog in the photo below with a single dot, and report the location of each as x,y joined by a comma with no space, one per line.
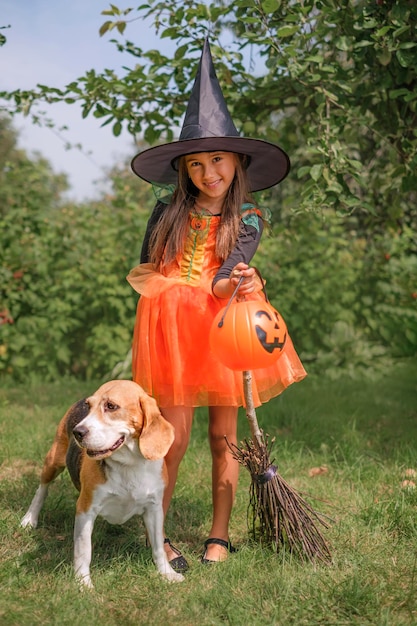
113,444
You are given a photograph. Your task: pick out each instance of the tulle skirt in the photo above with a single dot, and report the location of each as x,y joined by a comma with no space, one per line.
172,359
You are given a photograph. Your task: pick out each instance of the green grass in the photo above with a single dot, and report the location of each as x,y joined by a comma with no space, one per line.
363,432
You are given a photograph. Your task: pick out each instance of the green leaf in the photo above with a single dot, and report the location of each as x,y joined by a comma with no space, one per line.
105,27
151,135
399,31
343,43
315,171
249,127
383,31
370,23
396,93
315,58
407,45
363,44
335,187
410,96
249,20
406,58
270,6
384,57
292,17
169,32
302,171
86,109
117,128
287,31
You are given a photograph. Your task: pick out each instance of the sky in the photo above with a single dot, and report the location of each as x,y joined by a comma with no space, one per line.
52,42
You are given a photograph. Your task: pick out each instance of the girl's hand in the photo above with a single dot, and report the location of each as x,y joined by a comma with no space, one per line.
248,284
225,287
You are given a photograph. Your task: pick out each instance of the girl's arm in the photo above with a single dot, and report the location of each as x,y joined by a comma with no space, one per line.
153,220
237,264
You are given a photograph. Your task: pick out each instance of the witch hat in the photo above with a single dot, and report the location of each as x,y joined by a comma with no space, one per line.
209,127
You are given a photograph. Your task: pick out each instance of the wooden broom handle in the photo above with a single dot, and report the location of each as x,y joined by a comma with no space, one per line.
250,408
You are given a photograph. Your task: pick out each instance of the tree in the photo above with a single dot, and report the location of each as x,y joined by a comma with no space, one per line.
334,83
66,307
337,89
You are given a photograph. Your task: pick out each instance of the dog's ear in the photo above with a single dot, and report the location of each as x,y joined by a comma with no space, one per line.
157,434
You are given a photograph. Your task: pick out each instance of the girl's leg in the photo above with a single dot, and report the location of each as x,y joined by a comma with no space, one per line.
181,417
225,473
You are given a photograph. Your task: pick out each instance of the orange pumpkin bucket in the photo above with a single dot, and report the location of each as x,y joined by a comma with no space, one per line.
248,334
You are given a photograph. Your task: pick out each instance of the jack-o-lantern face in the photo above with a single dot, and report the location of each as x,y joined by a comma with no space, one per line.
269,332
249,335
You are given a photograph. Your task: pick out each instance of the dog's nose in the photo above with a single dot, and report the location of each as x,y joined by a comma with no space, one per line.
80,432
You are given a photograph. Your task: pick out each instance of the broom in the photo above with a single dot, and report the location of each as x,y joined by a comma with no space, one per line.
280,515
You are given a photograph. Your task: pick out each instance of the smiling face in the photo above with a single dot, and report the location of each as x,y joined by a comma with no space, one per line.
212,173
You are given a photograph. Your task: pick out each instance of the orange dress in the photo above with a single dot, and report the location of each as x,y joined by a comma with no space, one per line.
172,359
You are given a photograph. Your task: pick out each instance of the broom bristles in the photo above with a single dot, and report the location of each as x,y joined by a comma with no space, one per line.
279,515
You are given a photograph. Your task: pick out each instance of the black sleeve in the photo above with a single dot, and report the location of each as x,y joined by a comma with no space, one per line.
153,220
244,250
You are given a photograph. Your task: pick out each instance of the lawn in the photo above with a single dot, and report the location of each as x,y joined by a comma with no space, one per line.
350,445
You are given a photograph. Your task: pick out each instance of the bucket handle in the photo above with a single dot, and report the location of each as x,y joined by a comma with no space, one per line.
220,324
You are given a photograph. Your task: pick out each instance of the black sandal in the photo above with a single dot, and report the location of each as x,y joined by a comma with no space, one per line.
178,563
219,542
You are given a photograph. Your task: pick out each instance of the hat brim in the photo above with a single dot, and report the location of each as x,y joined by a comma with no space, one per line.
268,165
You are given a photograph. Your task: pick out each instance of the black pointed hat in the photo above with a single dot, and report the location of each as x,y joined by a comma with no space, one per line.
208,127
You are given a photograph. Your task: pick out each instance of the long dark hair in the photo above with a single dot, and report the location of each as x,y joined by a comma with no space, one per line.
168,237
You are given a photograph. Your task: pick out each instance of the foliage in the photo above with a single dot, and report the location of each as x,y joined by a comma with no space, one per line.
337,88
66,307
362,436
3,38
334,83
349,301
390,293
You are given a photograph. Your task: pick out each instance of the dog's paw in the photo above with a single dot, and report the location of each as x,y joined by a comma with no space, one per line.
84,583
29,521
173,577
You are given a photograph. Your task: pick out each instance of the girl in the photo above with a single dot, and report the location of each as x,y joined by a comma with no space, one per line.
195,249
